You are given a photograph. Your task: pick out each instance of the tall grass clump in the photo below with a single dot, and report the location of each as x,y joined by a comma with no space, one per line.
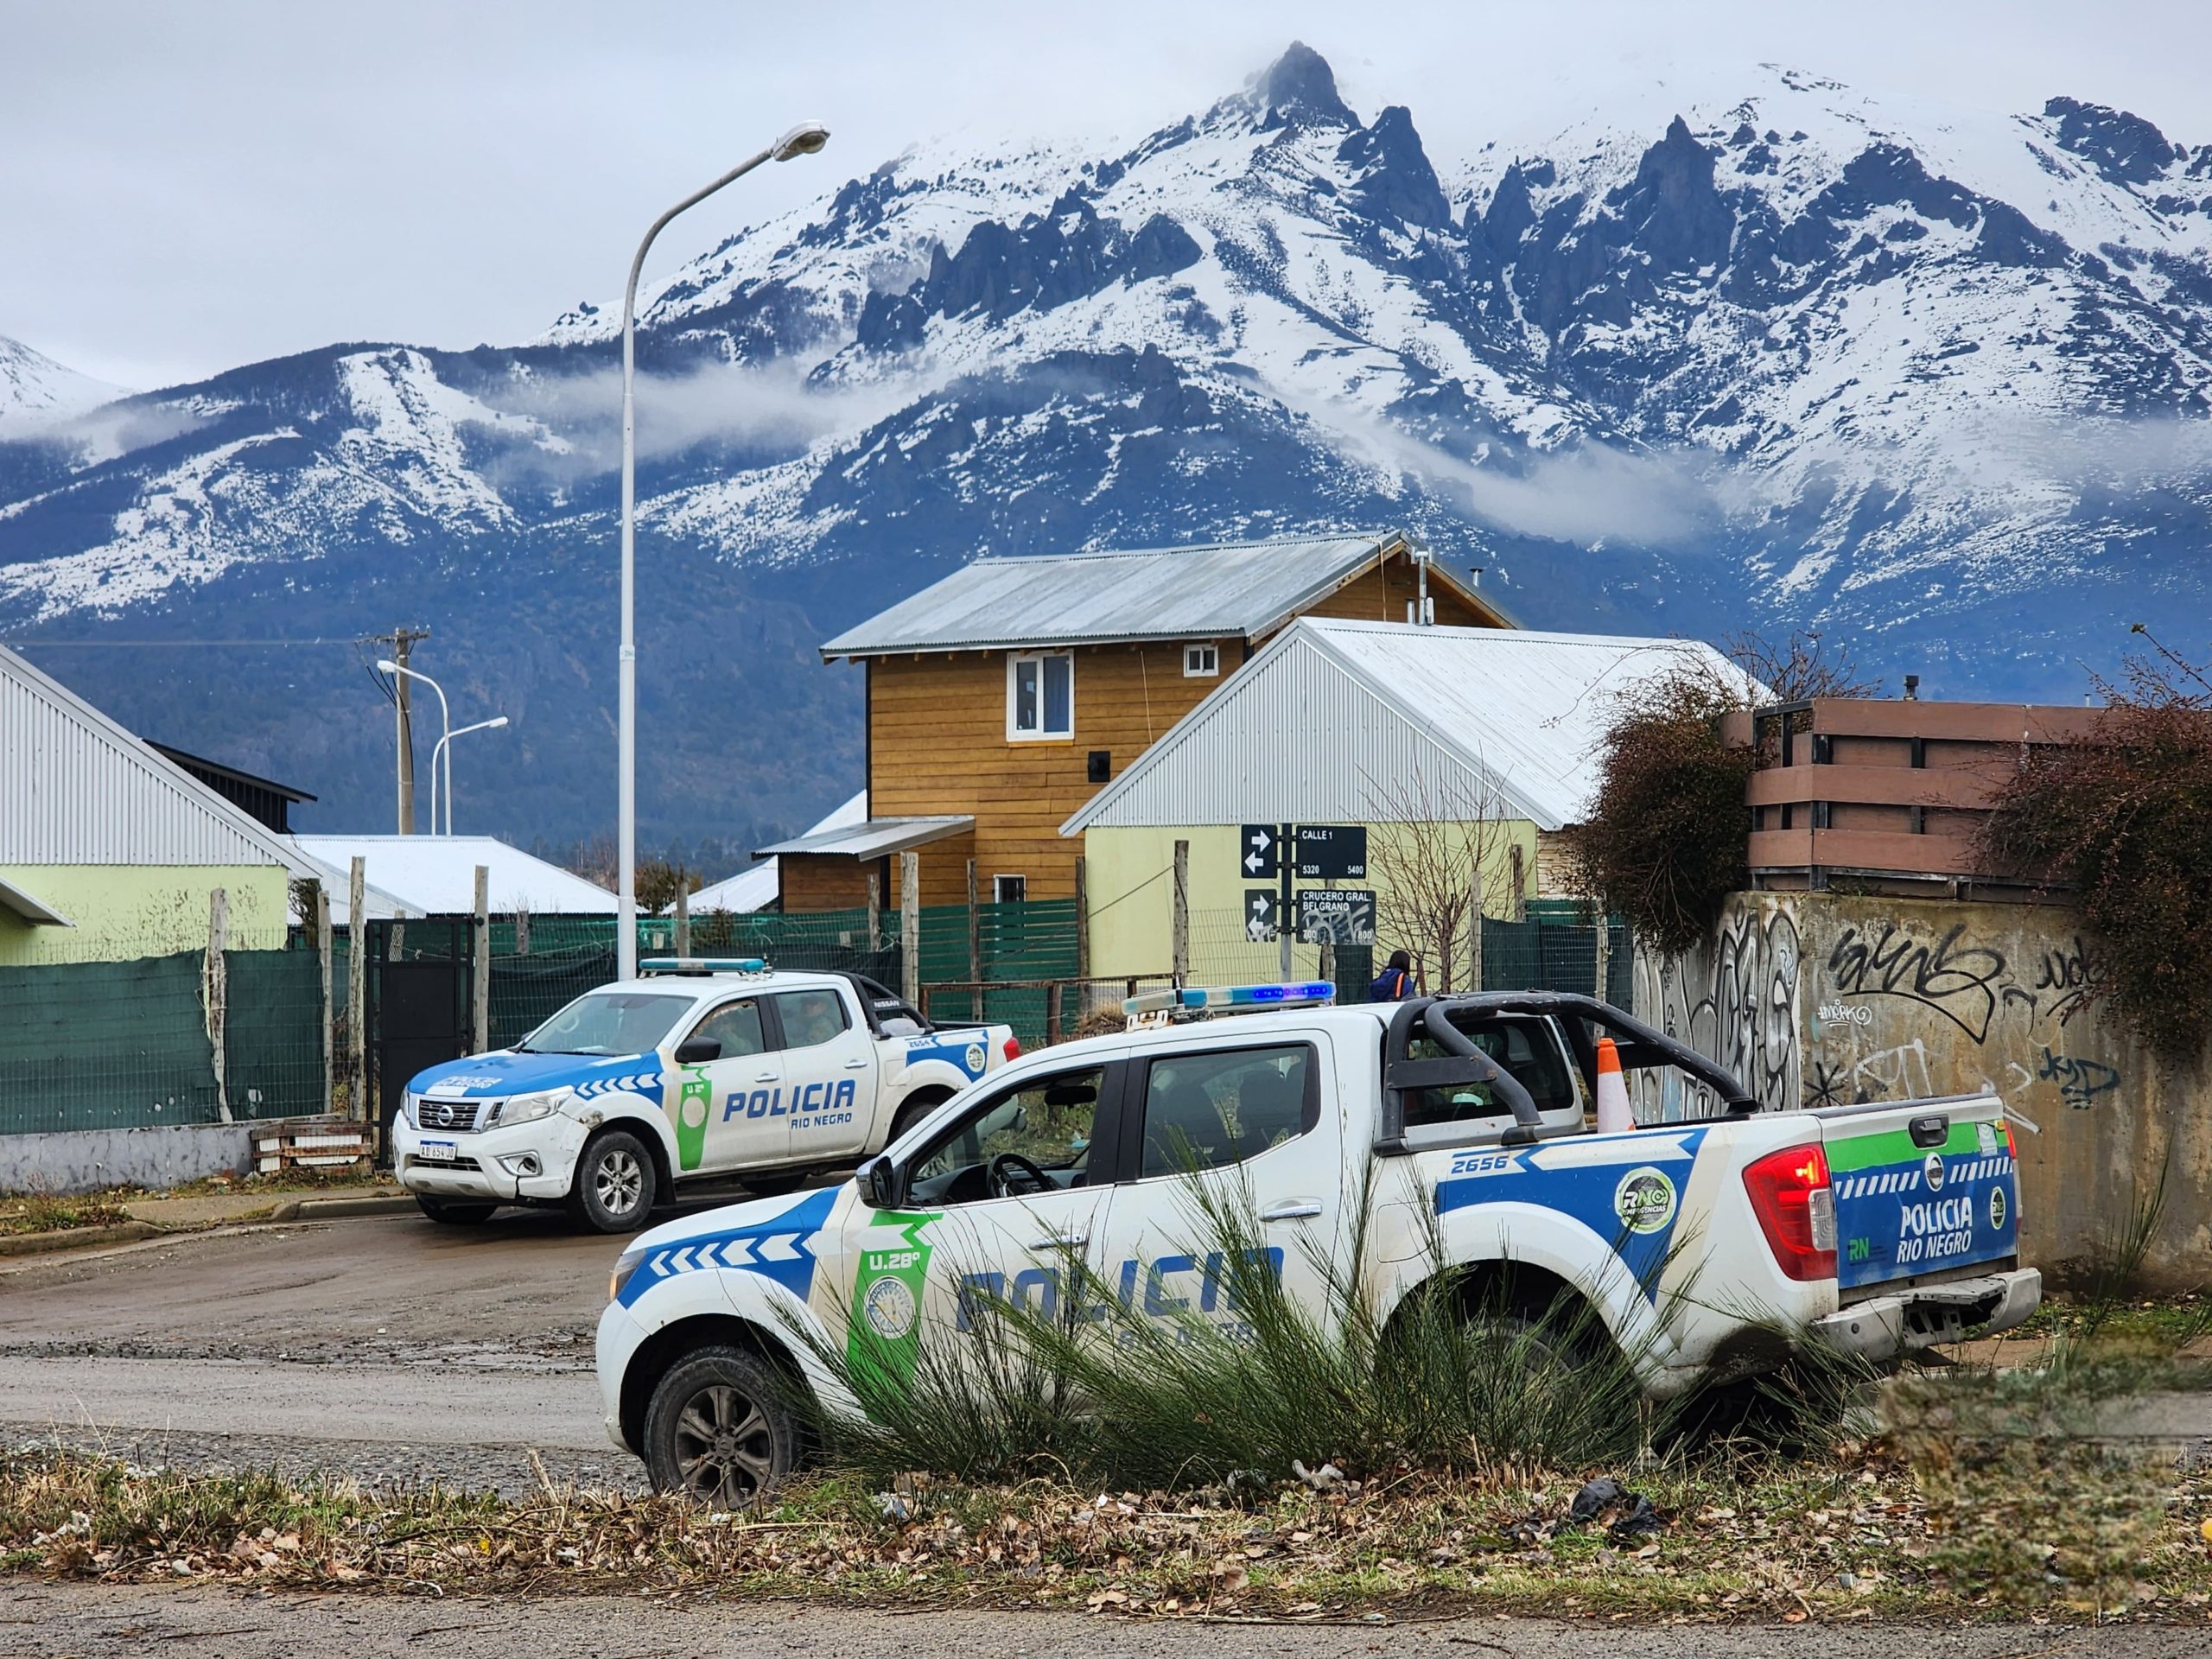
1085,1385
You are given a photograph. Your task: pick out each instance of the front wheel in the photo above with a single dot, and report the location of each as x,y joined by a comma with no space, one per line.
614,1185
720,1427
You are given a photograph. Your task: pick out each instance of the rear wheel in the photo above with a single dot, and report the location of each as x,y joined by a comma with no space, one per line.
453,1212
614,1185
720,1427
917,1106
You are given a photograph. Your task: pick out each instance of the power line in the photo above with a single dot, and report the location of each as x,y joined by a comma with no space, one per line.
15,640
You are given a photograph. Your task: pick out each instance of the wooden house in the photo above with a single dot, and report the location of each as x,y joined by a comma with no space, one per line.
1001,698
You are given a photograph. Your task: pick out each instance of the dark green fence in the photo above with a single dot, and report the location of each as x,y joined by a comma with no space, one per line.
1553,953
124,1044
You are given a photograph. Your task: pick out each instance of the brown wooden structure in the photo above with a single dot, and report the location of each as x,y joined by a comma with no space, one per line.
1887,796
941,737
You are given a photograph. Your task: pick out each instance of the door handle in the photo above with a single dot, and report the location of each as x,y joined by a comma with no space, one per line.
856,1065
1297,1210
1061,1241
764,1076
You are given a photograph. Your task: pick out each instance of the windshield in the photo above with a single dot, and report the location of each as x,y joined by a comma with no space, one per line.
607,1023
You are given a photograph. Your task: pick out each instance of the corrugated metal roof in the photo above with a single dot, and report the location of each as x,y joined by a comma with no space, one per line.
1334,721
76,788
875,837
436,875
756,886
30,906
1226,590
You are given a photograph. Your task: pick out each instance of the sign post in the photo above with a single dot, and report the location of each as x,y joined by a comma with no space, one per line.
1291,852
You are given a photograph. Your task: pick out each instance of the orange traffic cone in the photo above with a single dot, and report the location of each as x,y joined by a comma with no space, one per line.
1613,1114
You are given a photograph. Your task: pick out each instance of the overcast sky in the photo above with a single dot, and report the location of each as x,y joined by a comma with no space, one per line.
191,187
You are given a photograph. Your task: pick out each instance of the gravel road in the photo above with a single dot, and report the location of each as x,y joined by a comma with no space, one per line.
93,1621
383,1349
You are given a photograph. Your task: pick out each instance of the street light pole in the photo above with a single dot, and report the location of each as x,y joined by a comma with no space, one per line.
401,671
803,140
442,749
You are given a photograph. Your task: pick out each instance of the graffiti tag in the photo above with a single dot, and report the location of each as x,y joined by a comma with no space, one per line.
1842,1013
2080,1082
1958,981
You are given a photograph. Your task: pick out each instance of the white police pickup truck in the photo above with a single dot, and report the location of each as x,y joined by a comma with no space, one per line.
704,1067
1707,1247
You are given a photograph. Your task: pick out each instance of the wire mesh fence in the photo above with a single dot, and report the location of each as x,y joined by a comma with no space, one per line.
272,1034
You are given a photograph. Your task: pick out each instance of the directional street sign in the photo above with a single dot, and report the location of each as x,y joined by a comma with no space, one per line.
1257,853
1340,915
1331,852
1260,924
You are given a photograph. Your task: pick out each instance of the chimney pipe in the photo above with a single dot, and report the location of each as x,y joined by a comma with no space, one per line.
1912,687
1475,571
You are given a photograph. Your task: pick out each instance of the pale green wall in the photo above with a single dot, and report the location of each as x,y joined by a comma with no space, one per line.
126,910
1130,888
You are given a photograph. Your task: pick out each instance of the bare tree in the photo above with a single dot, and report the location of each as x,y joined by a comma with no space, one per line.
1432,838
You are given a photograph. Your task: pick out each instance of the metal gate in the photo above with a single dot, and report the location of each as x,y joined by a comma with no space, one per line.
418,1010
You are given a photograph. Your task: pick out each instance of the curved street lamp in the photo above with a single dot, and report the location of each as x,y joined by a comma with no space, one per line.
480,725
445,721
804,139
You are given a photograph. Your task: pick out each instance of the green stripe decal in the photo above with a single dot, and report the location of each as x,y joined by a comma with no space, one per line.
1894,1147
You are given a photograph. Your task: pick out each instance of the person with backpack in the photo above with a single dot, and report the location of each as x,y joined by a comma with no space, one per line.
1395,982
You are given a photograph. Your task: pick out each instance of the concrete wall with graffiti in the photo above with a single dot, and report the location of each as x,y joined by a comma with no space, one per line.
1816,998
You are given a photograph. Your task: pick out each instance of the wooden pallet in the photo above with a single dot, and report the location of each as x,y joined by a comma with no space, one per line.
311,1143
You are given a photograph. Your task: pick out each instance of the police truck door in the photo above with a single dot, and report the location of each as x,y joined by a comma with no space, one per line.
724,1116
830,1068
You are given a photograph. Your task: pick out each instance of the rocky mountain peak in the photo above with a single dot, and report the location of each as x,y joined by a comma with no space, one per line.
1299,86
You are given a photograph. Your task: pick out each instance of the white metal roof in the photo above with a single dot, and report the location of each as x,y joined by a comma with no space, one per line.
875,837
1228,590
30,907
1336,721
436,875
757,886
76,788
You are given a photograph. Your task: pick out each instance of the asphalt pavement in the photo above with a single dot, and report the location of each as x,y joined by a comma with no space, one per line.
96,1621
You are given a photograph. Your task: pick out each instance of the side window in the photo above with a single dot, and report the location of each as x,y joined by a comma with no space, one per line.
1207,1109
1047,1121
1524,1047
1040,696
736,1027
810,1017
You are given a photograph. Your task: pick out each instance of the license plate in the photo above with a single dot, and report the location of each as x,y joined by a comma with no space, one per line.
443,1152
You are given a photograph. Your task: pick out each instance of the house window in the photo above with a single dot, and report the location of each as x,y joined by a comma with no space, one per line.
1201,662
1041,696
1009,889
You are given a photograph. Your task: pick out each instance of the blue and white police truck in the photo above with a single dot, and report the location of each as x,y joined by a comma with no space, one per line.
700,1068
1457,1131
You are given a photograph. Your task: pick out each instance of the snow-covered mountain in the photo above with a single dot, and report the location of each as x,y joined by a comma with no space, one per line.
36,391
1753,353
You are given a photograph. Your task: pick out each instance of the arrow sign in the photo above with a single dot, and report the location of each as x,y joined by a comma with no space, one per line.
1257,851
1260,924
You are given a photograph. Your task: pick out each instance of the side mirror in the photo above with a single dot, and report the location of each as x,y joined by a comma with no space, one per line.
873,1179
698,1050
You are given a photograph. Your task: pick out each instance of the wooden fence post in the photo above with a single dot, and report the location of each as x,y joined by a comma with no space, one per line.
874,910
975,936
522,927
323,962
1053,1011
1180,943
480,954
219,993
682,915
1475,931
1605,956
910,926
357,993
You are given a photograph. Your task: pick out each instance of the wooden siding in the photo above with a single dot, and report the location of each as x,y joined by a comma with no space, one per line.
1382,594
938,743
819,881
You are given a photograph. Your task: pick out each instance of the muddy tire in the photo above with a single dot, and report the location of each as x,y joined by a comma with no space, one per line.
917,1106
615,1185
453,1212
720,1427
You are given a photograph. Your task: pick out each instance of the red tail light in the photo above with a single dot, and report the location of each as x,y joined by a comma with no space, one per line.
1014,1048
2011,1147
1795,1206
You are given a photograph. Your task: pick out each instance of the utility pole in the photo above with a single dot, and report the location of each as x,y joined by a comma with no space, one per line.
402,640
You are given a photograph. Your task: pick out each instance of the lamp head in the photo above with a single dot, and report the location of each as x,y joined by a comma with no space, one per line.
387,665
498,720
803,139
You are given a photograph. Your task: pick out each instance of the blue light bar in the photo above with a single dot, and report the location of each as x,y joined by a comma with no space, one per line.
703,965
1220,998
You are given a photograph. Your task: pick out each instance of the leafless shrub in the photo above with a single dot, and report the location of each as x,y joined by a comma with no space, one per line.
2124,817
1433,841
